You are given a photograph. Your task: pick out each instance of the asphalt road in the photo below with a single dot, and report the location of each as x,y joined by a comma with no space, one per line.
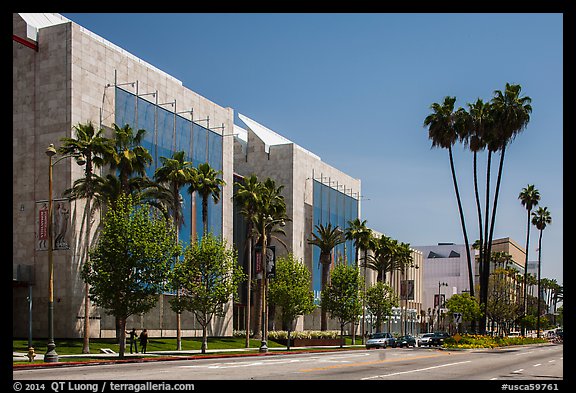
534,362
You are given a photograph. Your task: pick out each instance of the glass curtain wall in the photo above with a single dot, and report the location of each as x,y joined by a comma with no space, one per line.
166,133
335,207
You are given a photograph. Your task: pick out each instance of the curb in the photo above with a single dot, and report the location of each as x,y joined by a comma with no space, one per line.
96,362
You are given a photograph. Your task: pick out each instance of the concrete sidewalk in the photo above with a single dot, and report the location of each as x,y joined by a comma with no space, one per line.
165,355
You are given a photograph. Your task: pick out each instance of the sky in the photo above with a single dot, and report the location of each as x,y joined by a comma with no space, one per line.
355,88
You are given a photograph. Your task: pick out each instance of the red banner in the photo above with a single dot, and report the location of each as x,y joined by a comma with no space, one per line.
43,224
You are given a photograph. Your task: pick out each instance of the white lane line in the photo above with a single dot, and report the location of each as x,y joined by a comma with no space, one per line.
517,371
550,361
414,371
537,364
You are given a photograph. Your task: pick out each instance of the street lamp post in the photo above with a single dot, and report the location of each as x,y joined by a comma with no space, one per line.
51,356
440,284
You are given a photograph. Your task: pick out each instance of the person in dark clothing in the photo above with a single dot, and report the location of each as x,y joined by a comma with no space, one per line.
143,340
133,337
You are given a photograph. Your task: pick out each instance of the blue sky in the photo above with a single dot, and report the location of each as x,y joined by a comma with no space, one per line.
355,89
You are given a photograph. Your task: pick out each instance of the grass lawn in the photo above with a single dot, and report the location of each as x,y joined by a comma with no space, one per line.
74,346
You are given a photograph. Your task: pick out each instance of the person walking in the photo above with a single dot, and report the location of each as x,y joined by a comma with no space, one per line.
133,337
143,340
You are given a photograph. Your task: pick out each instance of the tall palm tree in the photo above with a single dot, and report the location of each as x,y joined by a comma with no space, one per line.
326,238
445,127
175,173
529,197
511,114
361,235
247,197
207,183
540,218
475,128
269,218
94,147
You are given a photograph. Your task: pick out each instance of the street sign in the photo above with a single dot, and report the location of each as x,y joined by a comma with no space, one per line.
457,317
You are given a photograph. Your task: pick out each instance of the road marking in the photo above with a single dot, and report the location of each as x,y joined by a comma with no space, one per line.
413,371
537,364
550,361
376,362
517,371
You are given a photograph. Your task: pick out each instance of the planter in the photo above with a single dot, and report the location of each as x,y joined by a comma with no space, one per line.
311,342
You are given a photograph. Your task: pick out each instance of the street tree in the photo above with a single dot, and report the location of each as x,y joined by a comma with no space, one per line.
129,265
342,297
290,291
208,276
380,298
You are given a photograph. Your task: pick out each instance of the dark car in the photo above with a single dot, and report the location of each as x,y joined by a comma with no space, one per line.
438,338
381,340
406,341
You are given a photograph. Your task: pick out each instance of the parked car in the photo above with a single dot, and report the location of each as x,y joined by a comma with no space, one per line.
424,339
438,338
406,341
381,340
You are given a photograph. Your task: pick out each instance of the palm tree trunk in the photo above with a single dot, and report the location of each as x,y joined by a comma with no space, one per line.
86,344
493,218
462,222
525,289
479,211
485,265
539,266
325,280
249,289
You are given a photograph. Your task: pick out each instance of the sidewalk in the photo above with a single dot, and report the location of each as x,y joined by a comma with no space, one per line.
164,355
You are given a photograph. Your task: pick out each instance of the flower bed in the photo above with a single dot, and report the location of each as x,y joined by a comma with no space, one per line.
306,338
479,341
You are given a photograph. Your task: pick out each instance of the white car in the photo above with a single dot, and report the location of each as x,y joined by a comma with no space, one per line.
424,339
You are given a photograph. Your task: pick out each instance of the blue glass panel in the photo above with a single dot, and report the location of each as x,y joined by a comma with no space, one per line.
124,108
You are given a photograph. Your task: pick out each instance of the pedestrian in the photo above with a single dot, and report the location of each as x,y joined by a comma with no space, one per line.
143,340
133,337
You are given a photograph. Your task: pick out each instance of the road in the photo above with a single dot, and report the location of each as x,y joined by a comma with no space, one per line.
533,362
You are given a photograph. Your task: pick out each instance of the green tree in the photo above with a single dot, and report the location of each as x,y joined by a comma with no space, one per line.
327,238
380,298
465,304
342,297
94,148
208,183
385,258
290,290
208,276
174,173
540,218
131,261
529,197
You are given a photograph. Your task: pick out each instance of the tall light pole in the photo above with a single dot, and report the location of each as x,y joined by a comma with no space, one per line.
440,285
51,356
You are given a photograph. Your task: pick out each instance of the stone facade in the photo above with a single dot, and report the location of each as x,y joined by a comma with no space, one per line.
69,79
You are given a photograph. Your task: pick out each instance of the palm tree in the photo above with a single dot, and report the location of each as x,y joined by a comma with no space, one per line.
129,157
475,128
444,128
326,238
540,218
361,235
270,216
385,258
247,197
511,114
174,174
94,147
207,183
529,196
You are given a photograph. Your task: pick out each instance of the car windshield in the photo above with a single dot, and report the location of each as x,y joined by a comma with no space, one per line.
379,335
427,334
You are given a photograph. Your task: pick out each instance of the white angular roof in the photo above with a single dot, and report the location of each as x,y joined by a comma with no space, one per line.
269,137
38,20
